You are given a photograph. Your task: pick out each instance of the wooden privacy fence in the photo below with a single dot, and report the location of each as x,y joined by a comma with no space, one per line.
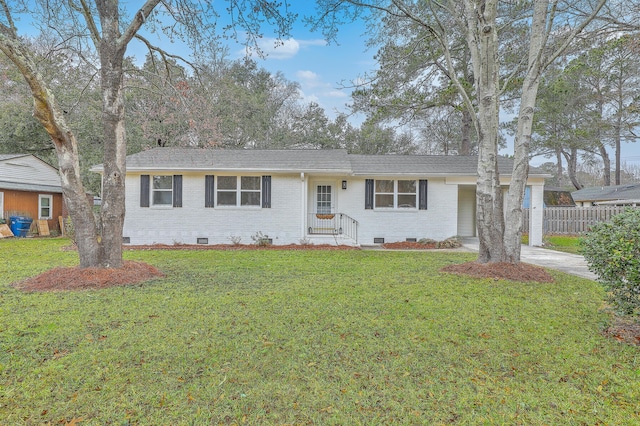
573,220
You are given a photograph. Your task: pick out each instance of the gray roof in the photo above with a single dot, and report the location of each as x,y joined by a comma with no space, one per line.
335,161
10,156
416,164
229,160
608,193
16,186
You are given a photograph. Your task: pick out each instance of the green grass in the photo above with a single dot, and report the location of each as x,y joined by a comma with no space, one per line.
565,243
307,337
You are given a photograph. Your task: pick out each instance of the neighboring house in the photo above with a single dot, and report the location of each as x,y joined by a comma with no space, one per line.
618,195
206,196
30,187
553,197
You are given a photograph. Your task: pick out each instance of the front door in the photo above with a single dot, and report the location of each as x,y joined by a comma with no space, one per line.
324,199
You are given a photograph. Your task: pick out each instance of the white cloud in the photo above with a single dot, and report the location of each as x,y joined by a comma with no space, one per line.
272,48
335,93
309,79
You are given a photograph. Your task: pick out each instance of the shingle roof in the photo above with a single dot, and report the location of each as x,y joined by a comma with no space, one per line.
10,156
223,159
307,160
430,164
608,193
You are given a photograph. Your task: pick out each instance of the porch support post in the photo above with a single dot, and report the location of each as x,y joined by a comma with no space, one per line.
303,206
536,215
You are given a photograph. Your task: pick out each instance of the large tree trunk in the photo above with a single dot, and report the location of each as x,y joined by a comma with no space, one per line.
482,39
50,116
113,178
522,141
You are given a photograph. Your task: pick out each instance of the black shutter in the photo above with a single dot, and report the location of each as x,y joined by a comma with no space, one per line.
144,190
368,194
266,192
422,194
177,190
209,190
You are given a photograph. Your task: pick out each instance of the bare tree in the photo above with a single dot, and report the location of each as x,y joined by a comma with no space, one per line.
99,33
551,26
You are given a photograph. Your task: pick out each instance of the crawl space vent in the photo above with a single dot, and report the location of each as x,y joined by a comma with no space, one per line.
378,240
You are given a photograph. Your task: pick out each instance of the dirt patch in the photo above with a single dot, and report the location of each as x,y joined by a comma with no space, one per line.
76,278
502,270
624,330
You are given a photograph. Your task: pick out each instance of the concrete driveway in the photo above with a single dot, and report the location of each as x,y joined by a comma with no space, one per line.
573,264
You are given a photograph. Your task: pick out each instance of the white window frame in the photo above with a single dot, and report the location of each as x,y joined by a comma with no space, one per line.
153,190
328,197
239,191
40,206
1,205
395,194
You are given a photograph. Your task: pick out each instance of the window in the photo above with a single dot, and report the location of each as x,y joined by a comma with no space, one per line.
239,191
399,194
162,194
45,206
1,205
165,190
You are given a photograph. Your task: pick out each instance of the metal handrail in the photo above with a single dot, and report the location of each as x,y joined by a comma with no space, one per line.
332,224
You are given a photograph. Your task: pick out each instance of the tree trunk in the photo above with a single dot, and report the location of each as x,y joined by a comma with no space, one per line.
617,140
482,39
465,142
522,141
606,169
572,166
114,163
559,172
50,116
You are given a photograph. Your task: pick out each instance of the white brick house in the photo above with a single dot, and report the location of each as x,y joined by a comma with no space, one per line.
205,196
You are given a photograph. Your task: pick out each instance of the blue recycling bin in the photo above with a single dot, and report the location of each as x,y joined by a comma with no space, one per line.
20,225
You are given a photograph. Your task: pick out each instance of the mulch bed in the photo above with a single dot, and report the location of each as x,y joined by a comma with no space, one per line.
624,330
240,247
502,270
76,278
407,245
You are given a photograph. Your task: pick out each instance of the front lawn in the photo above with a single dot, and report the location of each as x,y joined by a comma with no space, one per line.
307,337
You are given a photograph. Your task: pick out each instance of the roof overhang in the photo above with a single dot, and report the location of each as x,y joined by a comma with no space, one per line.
30,187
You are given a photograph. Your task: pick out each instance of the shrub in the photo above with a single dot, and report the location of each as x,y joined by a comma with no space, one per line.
427,241
612,250
261,239
449,243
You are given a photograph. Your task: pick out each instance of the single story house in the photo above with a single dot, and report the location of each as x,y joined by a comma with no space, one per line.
618,195
30,187
207,196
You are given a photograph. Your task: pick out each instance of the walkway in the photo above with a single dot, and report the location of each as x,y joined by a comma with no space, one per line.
573,264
